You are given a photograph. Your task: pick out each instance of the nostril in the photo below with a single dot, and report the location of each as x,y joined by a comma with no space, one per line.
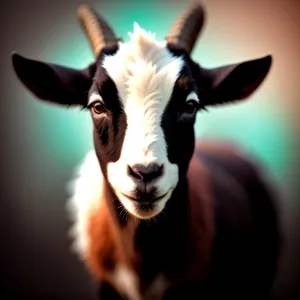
153,171
133,171
146,173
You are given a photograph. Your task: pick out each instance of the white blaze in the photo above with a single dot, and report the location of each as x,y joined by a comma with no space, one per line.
144,72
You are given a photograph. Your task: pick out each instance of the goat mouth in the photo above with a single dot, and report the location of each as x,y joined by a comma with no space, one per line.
145,199
141,208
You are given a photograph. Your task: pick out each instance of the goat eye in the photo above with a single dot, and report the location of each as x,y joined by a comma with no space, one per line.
98,107
190,107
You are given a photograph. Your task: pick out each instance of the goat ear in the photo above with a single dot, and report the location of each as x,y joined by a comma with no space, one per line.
54,83
233,82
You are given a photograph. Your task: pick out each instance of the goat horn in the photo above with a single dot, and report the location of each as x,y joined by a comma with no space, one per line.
186,28
97,29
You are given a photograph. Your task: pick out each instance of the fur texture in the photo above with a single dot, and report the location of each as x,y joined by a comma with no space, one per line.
217,235
86,196
145,79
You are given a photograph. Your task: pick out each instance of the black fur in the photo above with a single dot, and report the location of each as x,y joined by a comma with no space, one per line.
228,83
246,240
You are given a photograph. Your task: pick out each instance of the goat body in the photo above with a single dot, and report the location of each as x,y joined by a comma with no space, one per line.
155,216
217,236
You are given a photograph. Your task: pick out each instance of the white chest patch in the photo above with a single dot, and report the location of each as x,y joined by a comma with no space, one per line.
85,190
145,73
126,282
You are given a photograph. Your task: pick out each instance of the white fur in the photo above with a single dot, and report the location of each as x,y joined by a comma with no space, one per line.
126,282
94,97
192,96
145,76
85,190
86,196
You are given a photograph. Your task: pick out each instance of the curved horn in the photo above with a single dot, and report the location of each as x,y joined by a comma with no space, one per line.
186,28
97,29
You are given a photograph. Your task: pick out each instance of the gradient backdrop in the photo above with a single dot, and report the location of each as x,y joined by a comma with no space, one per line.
41,144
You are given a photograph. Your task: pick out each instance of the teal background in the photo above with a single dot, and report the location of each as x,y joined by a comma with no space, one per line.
43,143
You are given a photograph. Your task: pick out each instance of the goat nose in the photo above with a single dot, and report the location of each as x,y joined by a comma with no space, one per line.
145,173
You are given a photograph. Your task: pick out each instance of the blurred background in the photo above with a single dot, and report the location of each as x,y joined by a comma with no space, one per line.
41,144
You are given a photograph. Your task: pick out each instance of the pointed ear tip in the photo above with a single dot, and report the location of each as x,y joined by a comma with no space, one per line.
265,62
14,54
17,61
268,59
16,57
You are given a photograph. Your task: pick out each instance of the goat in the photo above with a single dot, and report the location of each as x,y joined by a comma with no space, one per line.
157,214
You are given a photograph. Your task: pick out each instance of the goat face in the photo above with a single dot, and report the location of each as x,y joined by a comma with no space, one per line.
143,112
143,98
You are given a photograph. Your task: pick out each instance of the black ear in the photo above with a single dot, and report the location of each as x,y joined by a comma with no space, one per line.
233,82
54,83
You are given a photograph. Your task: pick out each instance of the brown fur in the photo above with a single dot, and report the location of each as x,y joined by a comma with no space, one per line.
111,244
188,253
